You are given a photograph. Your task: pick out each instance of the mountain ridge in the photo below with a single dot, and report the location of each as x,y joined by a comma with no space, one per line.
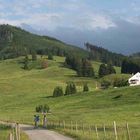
14,40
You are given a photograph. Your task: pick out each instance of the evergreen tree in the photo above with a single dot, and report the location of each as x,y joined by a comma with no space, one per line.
110,69
73,88
83,67
86,68
106,69
50,56
102,70
70,89
85,88
130,66
58,91
34,55
26,63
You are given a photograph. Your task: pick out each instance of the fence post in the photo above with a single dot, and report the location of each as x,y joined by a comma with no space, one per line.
71,125
83,128
96,130
104,130
115,130
76,127
10,136
59,124
64,125
16,130
89,129
18,127
13,136
128,132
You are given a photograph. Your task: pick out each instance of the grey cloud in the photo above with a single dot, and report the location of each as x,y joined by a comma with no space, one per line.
124,38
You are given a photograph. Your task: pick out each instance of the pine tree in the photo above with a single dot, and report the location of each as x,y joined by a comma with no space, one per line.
58,91
102,70
85,88
70,89
34,55
26,63
110,69
50,56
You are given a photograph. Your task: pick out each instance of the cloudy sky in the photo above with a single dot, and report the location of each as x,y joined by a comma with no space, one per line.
112,24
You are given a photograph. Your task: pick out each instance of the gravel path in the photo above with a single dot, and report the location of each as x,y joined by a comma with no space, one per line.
40,134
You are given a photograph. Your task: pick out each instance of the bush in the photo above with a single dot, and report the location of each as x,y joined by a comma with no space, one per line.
42,108
58,91
85,88
120,82
105,84
44,64
50,56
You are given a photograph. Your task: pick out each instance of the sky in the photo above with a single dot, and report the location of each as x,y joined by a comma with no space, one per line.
112,24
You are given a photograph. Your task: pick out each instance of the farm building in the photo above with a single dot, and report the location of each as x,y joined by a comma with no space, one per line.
135,80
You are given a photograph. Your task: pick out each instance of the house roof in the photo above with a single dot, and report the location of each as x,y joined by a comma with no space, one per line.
136,76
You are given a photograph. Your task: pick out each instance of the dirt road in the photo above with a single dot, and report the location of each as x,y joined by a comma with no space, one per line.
40,134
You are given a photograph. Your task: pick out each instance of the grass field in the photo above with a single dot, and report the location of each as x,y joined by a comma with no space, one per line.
21,91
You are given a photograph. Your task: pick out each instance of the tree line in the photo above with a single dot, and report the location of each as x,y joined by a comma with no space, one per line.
85,68
100,54
130,65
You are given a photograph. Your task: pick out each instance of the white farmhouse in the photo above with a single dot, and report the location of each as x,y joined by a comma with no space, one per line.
135,80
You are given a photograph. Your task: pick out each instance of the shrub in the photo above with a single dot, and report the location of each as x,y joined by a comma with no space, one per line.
44,64
50,56
85,88
42,108
58,91
105,84
120,82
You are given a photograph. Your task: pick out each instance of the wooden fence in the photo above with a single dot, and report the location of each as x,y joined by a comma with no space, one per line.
15,132
109,132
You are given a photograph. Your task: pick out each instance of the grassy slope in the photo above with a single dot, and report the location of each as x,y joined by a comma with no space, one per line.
21,91
23,39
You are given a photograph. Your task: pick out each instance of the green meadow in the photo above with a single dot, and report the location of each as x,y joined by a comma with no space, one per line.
22,90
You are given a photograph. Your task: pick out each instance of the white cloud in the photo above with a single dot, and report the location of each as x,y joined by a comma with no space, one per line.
73,13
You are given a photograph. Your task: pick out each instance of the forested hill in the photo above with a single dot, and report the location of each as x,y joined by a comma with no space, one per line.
15,42
104,55
136,55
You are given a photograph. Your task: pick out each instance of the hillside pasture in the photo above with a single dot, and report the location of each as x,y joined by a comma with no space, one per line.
22,90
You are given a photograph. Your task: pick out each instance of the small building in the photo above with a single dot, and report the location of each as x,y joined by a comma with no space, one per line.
135,80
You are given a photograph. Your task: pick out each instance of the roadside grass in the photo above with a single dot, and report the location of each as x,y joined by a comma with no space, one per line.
5,131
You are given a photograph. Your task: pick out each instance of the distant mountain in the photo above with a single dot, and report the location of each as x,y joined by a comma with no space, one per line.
15,42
